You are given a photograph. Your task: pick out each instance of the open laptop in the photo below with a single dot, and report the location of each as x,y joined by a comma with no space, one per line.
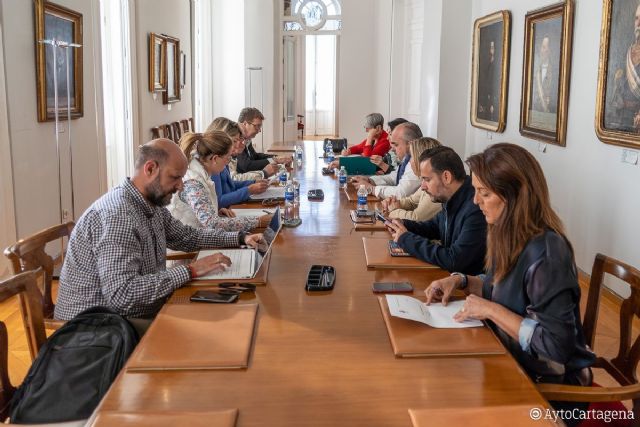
358,165
245,262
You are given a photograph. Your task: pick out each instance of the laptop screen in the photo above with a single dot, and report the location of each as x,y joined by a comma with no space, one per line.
270,232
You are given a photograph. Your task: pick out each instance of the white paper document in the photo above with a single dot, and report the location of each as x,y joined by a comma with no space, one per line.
242,213
435,315
270,193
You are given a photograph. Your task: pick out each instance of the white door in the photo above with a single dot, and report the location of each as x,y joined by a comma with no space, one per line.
289,117
320,84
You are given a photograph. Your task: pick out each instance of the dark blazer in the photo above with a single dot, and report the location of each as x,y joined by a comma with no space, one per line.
251,160
543,286
461,229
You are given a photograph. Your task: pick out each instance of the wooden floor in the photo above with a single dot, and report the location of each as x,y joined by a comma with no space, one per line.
606,336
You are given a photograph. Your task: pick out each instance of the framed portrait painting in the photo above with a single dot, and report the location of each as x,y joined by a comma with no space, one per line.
157,63
59,24
490,71
618,96
546,71
172,94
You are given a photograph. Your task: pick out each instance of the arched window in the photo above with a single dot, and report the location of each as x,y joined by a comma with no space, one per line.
312,16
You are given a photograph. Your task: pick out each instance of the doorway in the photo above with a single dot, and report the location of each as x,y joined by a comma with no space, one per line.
320,84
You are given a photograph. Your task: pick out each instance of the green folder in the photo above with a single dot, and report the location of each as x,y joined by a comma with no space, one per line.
358,165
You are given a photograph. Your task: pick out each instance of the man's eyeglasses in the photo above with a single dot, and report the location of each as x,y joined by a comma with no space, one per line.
256,126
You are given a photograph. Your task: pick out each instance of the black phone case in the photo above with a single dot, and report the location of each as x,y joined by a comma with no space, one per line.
214,297
320,278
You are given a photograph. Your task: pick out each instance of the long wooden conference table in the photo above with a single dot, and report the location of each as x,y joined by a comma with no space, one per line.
325,359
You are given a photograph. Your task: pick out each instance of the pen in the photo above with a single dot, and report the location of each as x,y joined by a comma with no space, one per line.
266,211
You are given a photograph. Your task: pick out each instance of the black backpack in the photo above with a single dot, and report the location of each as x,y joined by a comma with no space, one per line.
74,368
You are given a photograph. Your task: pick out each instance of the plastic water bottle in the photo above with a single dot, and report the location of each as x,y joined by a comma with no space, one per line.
330,155
299,154
328,151
296,190
362,198
289,203
342,177
282,176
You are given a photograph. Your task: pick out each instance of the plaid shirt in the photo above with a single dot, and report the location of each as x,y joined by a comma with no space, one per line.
116,255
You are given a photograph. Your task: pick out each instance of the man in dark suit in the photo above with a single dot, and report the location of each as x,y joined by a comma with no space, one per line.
250,124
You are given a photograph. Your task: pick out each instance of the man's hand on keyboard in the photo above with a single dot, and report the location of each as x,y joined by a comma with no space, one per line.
255,241
211,264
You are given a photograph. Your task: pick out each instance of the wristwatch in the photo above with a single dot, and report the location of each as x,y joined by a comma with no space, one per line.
241,236
464,282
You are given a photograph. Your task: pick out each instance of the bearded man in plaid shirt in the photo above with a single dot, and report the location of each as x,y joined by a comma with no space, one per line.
116,256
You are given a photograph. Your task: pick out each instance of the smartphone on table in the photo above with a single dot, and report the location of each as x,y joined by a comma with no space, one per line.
214,297
396,250
392,287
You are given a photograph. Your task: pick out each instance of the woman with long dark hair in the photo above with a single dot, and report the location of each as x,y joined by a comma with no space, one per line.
530,294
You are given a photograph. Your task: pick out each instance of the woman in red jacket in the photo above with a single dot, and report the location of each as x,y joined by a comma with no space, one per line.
377,140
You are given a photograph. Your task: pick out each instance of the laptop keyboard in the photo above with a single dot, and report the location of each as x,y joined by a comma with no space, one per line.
242,264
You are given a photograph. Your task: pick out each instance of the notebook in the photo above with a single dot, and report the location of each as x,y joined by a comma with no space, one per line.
376,253
413,339
197,336
221,418
271,193
245,262
485,416
358,165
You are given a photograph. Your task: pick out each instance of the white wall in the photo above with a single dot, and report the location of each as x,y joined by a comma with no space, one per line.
455,65
33,150
359,86
173,18
7,214
260,51
592,190
228,26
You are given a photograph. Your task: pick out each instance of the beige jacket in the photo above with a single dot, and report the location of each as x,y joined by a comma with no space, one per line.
417,207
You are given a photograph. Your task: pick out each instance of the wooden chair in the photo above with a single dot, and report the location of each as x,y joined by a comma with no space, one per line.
29,254
187,125
25,285
162,131
177,131
622,367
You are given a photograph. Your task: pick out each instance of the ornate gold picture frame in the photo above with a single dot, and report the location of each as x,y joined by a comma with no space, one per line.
54,22
618,98
157,63
490,71
172,94
546,72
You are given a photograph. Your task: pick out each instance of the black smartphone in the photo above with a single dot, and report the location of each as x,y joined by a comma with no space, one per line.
316,194
327,171
391,287
215,297
381,217
396,250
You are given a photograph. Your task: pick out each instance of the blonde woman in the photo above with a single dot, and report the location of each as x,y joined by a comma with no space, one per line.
418,206
232,129
197,204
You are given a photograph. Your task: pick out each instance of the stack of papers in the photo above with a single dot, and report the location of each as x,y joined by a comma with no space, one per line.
435,315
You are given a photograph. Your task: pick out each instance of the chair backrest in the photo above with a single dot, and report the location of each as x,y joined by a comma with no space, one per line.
625,363
186,125
177,131
25,285
29,254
